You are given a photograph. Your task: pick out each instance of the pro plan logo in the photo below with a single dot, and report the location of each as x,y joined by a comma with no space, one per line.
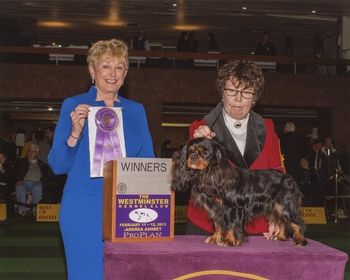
143,215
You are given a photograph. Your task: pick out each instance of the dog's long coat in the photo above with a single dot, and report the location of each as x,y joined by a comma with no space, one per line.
233,196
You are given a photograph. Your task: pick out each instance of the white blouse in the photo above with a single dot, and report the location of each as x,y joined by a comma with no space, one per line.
239,133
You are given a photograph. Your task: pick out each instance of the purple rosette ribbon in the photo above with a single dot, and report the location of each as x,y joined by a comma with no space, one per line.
107,145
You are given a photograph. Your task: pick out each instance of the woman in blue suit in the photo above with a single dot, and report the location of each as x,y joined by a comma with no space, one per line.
81,206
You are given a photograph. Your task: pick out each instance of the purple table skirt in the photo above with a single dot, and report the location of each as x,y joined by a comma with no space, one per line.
257,259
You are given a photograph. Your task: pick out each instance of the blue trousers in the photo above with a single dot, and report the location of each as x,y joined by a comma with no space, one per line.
26,186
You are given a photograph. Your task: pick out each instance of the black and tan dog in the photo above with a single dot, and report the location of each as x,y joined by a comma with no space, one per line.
234,196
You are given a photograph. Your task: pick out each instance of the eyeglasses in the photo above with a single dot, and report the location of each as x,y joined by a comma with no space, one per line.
244,94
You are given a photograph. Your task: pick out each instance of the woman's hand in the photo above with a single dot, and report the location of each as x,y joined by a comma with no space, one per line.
78,117
204,131
274,230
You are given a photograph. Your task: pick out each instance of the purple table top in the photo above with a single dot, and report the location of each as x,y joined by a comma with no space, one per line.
188,254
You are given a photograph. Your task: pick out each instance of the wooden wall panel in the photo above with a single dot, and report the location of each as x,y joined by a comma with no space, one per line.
154,86
42,81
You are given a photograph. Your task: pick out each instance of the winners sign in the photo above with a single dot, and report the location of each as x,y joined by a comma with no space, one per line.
138,203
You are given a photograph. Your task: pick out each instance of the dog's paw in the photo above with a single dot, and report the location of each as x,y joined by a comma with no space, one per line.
215,240
221,244
232,239
300,242
268,236
233,242
211,239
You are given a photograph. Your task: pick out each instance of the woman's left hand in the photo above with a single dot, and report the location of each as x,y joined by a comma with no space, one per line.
204,131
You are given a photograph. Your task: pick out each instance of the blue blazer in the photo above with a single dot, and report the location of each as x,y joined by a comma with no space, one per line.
74,161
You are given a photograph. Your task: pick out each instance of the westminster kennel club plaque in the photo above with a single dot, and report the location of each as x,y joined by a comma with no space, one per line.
138,203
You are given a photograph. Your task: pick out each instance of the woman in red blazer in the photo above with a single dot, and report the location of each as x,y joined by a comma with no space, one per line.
250,140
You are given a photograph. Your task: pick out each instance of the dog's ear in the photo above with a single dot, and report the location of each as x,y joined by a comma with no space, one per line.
182,156
180,175
219,152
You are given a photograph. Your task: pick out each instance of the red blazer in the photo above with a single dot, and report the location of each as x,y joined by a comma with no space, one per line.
262,152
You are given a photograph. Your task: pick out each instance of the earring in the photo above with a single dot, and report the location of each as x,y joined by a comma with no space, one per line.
93,80
253,104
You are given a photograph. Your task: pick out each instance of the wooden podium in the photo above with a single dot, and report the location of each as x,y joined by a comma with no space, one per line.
137,202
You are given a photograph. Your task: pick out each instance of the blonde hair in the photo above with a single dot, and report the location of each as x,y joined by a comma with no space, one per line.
113,47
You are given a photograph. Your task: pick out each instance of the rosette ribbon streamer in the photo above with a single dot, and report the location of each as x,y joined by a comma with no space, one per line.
107,145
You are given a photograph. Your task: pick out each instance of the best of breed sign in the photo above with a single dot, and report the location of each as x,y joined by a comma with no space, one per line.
138,203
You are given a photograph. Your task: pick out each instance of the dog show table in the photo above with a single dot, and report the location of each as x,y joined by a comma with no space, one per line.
189,257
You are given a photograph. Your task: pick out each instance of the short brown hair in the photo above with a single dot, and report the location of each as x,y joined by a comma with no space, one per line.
244,73
113,47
